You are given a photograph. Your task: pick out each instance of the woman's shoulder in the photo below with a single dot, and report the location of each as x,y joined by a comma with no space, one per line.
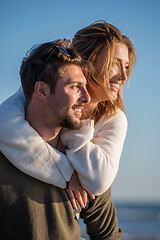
119,119
119,115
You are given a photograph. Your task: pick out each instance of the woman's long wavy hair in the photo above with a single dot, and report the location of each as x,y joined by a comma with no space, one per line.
89,42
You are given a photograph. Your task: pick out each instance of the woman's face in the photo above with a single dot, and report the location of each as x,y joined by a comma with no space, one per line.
118,71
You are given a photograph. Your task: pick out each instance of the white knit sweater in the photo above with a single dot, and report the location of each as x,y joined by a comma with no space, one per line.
93,151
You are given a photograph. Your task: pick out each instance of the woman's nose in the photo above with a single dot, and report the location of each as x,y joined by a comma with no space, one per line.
123,74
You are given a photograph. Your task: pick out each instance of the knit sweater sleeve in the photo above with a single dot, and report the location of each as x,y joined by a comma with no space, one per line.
25,148
97,160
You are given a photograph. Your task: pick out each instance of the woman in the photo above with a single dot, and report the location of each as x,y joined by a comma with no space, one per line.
95,152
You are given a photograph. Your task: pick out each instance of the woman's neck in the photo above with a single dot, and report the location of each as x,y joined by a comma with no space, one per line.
89,109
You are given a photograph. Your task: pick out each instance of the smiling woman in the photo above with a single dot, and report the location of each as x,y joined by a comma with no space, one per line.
117,75
118,72
93,152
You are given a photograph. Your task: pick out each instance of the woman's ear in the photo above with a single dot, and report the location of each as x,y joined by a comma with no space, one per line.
42,90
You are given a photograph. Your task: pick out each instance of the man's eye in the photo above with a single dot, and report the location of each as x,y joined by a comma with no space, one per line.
75,87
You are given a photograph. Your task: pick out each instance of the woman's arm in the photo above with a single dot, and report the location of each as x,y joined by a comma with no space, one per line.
97,161
25,149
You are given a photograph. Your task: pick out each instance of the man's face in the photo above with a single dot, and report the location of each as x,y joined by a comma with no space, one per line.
67,103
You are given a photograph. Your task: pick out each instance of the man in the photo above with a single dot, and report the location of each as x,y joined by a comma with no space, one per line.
56,94
55,88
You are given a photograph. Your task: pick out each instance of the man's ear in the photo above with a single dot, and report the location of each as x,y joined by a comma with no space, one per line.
42,90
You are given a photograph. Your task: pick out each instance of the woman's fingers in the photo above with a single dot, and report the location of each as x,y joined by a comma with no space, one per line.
91,195
72,198
77,192
80,198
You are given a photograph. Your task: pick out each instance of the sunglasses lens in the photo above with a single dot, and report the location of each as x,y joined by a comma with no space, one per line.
63,50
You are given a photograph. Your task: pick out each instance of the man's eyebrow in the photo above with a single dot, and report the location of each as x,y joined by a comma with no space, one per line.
76,81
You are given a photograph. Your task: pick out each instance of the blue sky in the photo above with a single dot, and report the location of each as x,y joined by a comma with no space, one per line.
25,23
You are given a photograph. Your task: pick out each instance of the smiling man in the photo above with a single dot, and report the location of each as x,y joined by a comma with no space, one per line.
61,109
54,83
67,103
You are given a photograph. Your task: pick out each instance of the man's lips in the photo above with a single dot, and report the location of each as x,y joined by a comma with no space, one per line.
78,110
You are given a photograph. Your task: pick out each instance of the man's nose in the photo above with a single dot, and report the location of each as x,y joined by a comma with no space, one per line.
85,97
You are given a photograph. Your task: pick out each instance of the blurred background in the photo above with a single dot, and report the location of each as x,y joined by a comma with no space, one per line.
136,190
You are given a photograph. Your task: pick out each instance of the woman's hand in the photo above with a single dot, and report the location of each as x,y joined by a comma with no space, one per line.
75,191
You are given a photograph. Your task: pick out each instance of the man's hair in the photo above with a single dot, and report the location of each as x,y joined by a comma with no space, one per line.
45,62
92,41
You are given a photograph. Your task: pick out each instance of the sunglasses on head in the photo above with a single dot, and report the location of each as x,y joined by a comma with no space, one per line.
63,50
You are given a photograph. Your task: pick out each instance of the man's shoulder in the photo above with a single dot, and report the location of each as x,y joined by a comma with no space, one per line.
2,156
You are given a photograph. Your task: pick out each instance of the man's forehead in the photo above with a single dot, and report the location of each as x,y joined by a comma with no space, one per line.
72,74
80,81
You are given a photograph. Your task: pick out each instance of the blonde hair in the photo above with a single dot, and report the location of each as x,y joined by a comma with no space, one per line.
89,42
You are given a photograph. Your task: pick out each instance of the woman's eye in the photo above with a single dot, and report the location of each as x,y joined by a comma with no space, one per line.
126,67
114,64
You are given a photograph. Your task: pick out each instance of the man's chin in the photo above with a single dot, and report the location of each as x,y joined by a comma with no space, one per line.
73,124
